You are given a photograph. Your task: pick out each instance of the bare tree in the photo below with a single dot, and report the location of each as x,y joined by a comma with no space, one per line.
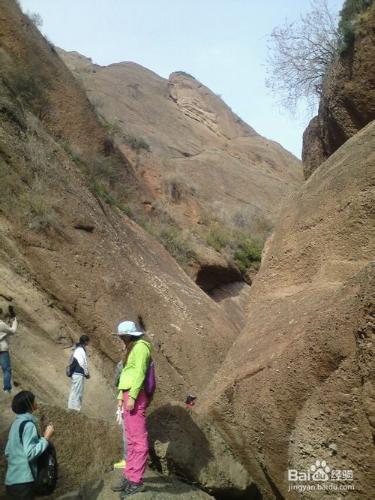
35,18
299,54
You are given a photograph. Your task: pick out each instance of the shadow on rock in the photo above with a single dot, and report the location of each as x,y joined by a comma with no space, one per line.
191,447
159,486
89,491
177,445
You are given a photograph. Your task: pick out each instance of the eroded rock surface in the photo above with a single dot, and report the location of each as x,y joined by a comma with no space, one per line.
193,134
297,386
348,99
204,164
71,262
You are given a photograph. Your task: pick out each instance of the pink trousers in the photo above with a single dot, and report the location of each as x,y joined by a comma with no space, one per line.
137,438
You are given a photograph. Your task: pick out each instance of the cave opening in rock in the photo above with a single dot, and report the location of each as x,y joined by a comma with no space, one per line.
211,277
227,287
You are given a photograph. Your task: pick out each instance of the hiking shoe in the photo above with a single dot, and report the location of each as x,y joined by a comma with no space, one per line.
120,465
121,485
132,489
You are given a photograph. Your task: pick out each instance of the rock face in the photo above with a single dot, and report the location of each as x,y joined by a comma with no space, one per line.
294,387
298,384
200,104
204,165
348,100
193,134
70,261
157,487
85,446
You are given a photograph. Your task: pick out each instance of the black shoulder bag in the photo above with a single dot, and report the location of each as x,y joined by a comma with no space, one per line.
47,470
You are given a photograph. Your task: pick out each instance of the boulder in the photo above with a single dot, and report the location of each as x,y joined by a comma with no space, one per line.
297,385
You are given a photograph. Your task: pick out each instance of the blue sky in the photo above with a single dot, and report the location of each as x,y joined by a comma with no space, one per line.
223,43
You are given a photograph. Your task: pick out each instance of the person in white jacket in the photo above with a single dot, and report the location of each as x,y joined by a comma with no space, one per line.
6,331
79,371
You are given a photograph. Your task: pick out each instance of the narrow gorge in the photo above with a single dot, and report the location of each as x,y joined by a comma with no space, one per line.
125,194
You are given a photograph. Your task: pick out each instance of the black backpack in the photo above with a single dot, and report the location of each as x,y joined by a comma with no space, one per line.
72,364
46,479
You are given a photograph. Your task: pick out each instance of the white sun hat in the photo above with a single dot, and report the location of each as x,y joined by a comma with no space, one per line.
127,328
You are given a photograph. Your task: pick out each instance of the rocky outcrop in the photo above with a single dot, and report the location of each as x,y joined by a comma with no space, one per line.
192,123
313,153
294,387
348,98
71,261
298,384
34,74
86,447
200,104
203,163
192,447
65,280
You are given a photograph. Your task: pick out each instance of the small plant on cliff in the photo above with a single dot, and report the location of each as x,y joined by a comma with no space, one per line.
248,254
177,188
113,129
35,18
101,191
172,238
177,245
349,16
42,217
300,53
244,250
136,143
218,237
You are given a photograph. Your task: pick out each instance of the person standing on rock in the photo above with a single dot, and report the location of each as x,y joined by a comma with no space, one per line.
5,332
133,402
80,371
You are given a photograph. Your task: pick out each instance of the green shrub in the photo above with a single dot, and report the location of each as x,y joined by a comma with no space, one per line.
177,189
47,221
39,211
136,143
237,244
113,129
218,237
109,169
100,190
126,209
170,236
248,254
177,245
104,175
73,155
30,87
26,86
349,16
